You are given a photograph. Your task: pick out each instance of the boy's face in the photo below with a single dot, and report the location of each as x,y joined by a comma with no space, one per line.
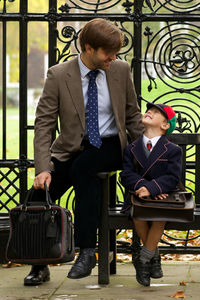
154,118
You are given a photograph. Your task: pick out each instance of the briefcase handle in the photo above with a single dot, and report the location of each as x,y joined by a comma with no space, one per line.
31,194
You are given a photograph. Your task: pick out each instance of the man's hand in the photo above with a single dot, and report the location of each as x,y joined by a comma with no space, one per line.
142,192
40,179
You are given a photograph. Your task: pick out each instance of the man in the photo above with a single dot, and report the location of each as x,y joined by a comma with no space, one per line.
92,136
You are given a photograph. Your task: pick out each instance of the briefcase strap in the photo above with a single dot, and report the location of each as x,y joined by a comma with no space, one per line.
30,194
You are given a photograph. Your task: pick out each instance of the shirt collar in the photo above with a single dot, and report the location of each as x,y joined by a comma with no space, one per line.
154,140
84,70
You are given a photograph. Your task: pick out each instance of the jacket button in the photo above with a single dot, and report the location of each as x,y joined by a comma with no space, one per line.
81,134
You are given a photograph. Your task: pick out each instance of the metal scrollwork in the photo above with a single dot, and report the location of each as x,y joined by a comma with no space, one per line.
128,4
187,107
173,53
150,4
69,38
65,8
94,6
52,16
125,51
177,6
4,4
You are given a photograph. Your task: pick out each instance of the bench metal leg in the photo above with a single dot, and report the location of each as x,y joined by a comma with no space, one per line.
104,239
113,249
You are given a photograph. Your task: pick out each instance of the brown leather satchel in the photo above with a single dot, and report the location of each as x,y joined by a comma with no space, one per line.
177,207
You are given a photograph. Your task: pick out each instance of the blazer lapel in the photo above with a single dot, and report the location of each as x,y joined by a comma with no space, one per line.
157,152
73,81
138,152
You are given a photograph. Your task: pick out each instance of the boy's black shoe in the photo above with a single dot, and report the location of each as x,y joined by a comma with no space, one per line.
37,275
155,267
142,271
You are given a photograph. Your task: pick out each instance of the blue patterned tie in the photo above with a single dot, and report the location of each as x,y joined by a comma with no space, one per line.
92,111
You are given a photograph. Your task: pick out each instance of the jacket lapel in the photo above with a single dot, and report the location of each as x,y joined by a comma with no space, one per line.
157,152
73,81
138,152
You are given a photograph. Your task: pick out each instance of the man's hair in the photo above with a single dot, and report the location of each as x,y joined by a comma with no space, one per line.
101,33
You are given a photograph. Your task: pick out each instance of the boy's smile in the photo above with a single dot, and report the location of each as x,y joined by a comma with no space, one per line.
155,115
146,116
155,122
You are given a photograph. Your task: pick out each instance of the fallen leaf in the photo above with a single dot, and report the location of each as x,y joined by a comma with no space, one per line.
183,282
10,265
178,294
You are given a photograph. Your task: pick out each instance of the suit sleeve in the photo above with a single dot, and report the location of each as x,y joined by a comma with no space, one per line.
134,125
130,179
45,123
168,181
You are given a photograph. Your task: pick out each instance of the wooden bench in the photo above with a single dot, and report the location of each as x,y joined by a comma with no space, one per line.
112,219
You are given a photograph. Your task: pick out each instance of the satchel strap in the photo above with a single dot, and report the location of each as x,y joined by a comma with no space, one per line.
181,186
30,196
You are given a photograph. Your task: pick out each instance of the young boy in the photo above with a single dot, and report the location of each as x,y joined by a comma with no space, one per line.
158,172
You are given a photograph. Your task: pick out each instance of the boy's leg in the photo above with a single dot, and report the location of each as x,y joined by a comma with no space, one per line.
142,229
148,263
154,236
142,266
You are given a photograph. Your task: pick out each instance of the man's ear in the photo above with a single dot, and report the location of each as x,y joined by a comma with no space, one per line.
89,49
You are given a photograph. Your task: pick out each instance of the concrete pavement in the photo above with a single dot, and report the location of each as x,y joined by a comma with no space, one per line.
123,285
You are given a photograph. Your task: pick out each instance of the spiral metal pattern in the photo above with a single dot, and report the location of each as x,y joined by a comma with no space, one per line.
187,107
92,6
174,54
176,6
68,36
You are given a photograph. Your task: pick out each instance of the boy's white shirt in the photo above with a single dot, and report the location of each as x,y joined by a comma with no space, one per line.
154,140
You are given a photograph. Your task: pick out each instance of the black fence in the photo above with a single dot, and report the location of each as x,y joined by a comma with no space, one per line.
162,46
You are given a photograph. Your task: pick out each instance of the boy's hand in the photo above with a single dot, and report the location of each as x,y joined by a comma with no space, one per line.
161,196
142,192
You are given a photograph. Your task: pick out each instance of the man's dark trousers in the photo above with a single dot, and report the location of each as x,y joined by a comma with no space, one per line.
80,171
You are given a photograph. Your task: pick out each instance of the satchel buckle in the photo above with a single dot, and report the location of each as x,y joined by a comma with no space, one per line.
176,196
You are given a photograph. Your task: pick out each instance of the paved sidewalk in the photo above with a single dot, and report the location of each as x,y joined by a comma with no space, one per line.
123,286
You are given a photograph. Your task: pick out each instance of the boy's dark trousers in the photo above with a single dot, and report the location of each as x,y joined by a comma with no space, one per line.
81,172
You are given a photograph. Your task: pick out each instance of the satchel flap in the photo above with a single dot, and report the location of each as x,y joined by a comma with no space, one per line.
177,198
174,197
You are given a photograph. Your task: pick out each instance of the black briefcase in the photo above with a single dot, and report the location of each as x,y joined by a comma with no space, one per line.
40,232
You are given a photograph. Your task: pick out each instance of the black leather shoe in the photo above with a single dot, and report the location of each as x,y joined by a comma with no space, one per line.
155,267
37,275
83,265
142,272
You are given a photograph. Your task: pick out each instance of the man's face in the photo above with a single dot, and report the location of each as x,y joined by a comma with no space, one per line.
100,59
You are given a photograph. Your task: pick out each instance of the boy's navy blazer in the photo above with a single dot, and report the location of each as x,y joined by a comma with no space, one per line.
159,173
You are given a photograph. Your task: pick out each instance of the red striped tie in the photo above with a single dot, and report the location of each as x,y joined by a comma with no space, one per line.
149,145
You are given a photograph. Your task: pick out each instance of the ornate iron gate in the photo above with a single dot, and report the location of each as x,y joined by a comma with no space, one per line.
162,46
